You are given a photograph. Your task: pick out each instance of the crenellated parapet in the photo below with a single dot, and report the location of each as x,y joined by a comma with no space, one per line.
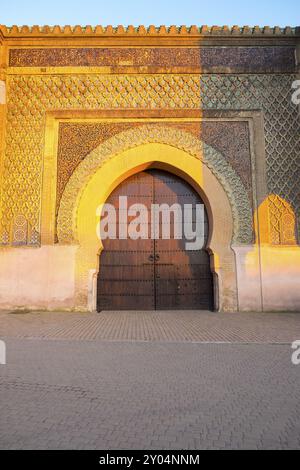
77,30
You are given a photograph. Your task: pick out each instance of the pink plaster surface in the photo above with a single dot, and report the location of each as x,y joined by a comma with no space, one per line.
269,278
37,277
44,278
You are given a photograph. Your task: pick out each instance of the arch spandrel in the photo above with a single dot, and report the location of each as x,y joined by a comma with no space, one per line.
147,134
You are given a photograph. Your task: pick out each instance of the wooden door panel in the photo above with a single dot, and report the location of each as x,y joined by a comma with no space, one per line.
146,274
126,302
133,199
131,246
193,302
165,271
193,286
140,185
126,287
193,271
123,258
126,276
182,257
126,272
167,302
166,287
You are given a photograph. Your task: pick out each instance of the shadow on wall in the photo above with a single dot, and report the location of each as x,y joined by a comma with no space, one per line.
269,271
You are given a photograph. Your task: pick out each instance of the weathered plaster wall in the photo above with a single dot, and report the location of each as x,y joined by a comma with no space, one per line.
268,278
37,278
44,278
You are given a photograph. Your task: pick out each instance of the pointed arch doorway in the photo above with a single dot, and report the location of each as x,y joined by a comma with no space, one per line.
148,274
104,169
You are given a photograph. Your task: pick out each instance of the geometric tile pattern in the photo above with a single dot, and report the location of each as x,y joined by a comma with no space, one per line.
282,221
29,97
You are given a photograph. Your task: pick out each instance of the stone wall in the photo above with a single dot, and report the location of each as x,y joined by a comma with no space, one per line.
230,89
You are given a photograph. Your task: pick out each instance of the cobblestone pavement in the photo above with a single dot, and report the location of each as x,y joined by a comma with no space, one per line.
108,390
154,326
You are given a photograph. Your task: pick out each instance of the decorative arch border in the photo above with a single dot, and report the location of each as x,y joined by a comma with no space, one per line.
214,160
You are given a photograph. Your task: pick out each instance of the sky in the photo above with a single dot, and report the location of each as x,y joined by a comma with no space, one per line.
104,12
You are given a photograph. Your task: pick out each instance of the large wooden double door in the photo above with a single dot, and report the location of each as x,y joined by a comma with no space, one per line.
148,274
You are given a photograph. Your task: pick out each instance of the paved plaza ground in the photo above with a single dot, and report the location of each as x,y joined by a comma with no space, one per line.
149,380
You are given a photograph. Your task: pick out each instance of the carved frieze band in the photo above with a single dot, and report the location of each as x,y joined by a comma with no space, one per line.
205,59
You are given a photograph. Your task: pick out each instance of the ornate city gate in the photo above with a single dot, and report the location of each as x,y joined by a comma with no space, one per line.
154,274
83,108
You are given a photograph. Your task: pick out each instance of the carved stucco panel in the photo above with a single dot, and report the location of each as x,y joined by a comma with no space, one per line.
241,207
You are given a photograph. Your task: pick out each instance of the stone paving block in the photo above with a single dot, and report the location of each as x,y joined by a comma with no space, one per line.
73,387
